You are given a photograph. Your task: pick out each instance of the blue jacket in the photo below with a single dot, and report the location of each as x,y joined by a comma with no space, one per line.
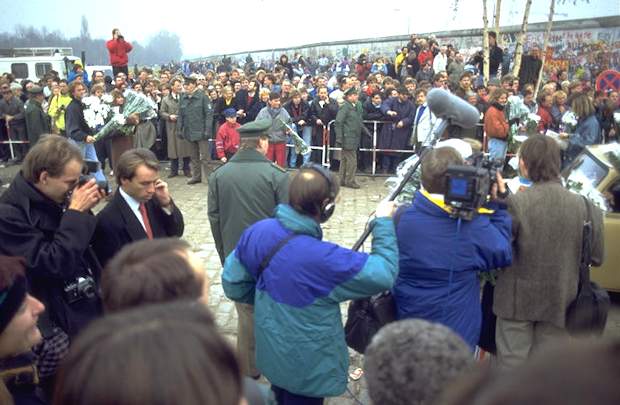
300,342
439,260
588,132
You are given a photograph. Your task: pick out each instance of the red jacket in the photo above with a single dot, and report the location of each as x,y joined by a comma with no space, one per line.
546,121
118,52
425,56
495,124
227,139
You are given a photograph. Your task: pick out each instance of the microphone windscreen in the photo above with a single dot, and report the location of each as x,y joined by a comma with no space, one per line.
452,108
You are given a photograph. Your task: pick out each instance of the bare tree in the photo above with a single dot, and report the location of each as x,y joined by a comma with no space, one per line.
546,44
521,39
498,6
485,43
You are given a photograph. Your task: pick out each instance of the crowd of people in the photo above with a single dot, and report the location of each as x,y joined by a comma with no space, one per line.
117,299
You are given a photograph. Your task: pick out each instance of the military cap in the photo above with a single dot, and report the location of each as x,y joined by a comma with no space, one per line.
255,129
34,90
190,79
349,91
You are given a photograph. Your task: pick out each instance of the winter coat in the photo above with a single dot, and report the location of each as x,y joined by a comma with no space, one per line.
221,105
37,122
177,147
246,103
118,49
277,132
349,125
76,126
439,260
424,122
227,139
254,110
530,67
195,122
547,224
300,342
298,113
56,245
392,137
455,70
546,121
588,132
56,111
326,113
495,123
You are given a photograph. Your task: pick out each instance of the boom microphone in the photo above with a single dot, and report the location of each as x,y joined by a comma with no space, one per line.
452,108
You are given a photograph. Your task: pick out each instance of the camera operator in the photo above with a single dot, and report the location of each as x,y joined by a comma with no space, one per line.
440,255
45,217
118,49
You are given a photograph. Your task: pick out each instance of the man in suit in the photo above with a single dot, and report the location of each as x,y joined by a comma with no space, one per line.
141,208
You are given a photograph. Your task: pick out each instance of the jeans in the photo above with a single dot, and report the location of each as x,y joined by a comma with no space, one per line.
89,153
498,149
306,135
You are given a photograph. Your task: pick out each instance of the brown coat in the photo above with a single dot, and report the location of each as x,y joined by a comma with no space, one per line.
495,123
547,227
177,147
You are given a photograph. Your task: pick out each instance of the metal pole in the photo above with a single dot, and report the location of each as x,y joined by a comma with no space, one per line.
374,148
8,135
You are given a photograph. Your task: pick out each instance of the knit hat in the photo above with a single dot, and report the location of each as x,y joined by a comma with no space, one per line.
230,112
11,298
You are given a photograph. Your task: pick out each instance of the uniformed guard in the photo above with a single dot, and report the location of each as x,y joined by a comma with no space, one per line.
242,192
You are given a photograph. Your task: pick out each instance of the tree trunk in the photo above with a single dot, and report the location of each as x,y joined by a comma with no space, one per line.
546,44
519,48
498,5
485,43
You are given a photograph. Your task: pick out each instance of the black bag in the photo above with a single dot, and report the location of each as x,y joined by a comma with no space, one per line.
587,314
365,317
489,320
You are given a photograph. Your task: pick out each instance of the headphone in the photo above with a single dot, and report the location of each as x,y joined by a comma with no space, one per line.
327,208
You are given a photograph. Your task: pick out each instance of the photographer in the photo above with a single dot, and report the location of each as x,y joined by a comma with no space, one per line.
440,256
45,217
118,49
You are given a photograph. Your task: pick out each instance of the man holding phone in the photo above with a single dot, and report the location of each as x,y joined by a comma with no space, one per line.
118,49
141,208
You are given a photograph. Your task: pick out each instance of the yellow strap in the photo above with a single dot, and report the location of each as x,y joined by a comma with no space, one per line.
441,204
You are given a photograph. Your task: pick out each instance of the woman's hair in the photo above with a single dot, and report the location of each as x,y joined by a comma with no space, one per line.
496,94
582,106
541,155
557,95
159,354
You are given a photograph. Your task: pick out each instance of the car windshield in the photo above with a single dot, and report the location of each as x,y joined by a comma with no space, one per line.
587,170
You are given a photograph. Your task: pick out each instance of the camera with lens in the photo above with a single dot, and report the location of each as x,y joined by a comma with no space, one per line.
468,187
91,166
81,288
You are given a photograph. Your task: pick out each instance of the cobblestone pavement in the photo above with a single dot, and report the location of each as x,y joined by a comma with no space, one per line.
346,225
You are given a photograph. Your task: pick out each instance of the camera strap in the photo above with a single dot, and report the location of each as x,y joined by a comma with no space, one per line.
265,262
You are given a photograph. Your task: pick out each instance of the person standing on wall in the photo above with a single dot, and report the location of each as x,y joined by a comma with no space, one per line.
118,48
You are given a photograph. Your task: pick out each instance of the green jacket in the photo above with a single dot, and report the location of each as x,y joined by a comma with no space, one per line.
349,125
195,122
37,122
243,191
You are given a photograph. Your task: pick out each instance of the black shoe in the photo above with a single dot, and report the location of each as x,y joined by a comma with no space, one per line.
187,172
173,174
194,181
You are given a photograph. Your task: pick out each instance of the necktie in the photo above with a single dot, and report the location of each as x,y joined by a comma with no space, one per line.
145,220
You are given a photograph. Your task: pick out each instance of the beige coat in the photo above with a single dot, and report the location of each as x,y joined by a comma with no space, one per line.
177,147
547,232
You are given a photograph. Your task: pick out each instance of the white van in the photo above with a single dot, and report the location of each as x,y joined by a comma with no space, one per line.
34,63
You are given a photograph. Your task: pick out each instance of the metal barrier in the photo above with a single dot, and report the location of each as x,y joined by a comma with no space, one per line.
10,141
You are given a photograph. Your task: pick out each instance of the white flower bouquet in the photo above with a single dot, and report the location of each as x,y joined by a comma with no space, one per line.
569,121
135,104
96,112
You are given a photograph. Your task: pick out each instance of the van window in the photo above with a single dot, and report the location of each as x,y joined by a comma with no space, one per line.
41,69
19,70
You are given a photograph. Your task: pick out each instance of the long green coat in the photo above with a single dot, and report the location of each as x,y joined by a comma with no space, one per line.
195,121
349,125
242,192
37,122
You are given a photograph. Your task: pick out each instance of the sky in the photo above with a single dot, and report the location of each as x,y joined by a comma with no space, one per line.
208,28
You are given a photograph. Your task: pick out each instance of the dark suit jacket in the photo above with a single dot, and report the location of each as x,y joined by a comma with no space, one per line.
118,226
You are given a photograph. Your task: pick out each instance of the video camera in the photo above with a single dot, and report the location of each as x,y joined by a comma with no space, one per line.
468,187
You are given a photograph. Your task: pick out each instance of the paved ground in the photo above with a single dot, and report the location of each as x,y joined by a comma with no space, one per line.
346,225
